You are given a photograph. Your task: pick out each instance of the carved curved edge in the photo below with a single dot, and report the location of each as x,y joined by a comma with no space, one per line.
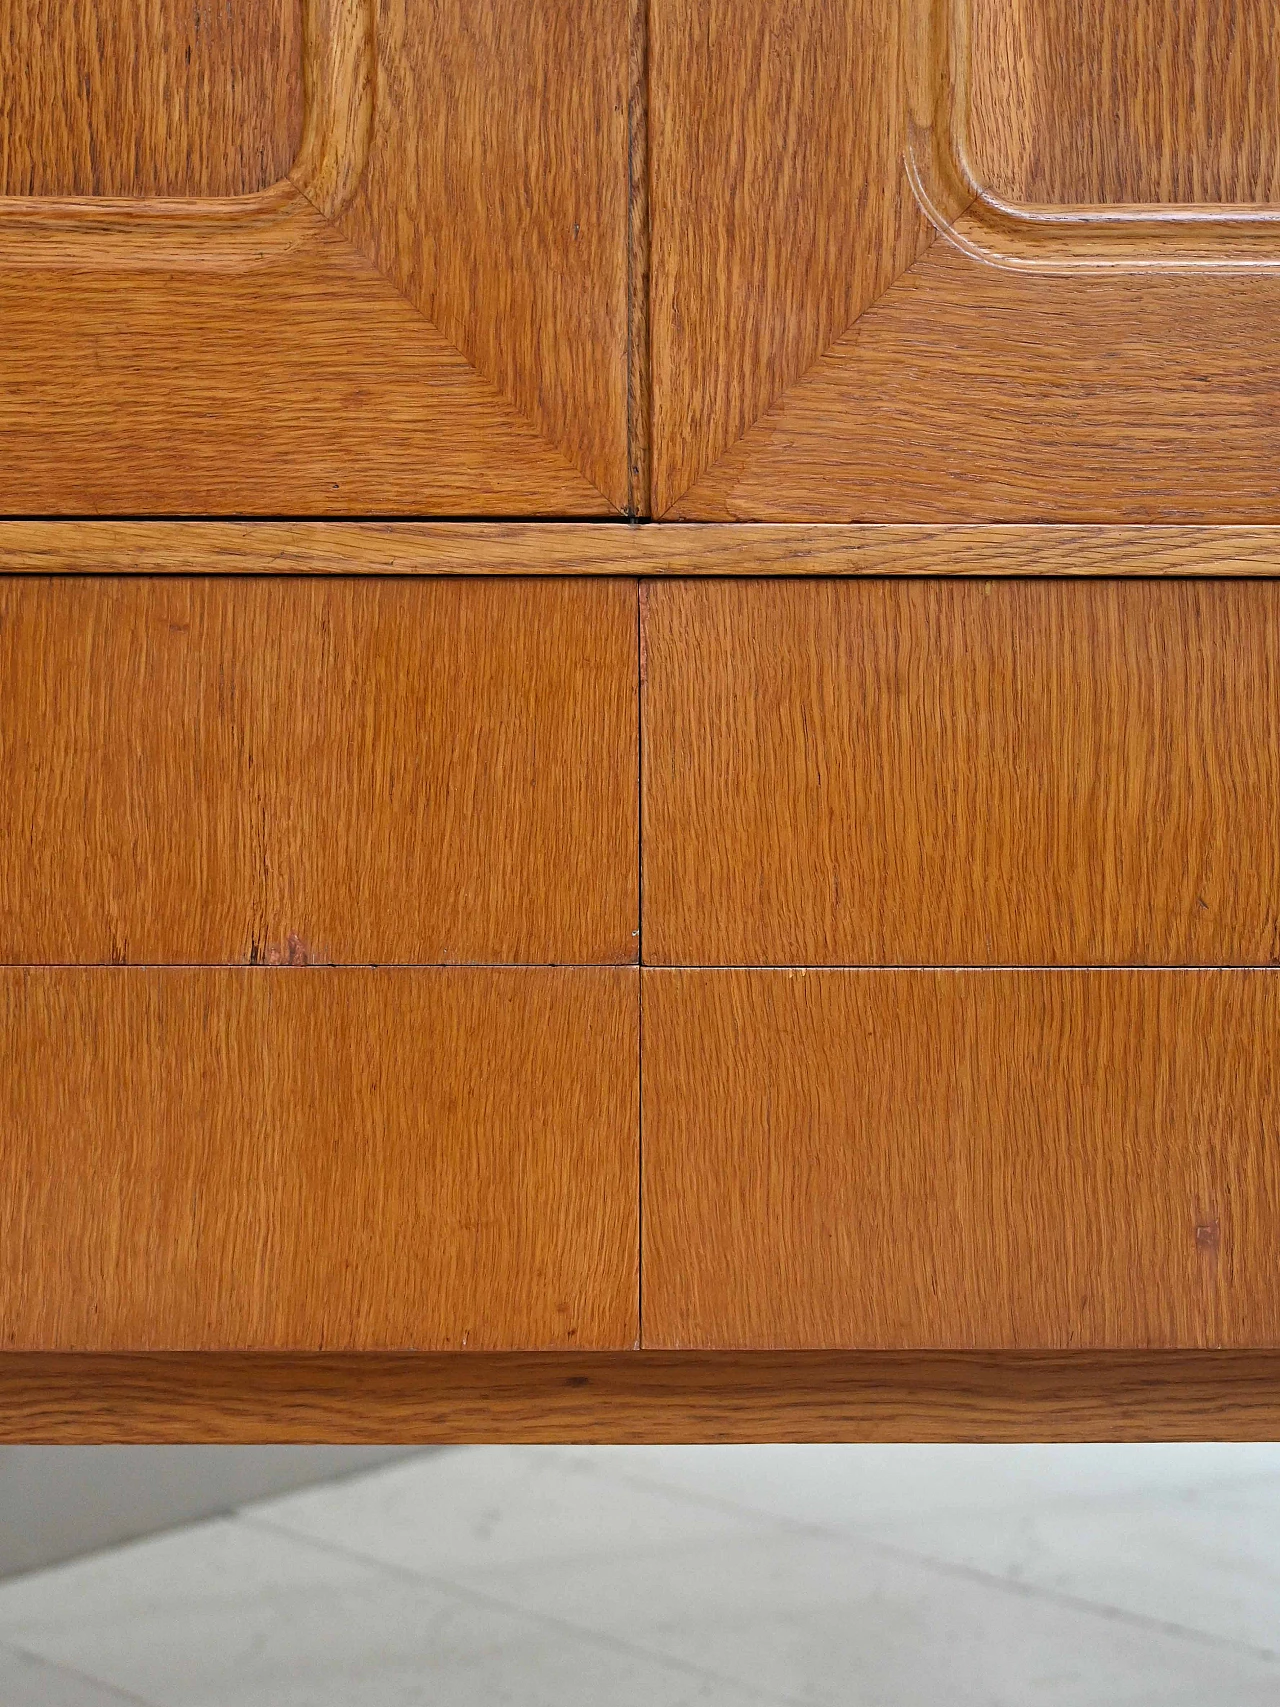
226,233
937,53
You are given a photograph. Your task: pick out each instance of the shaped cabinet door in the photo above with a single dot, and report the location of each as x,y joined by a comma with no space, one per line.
945,260
314,257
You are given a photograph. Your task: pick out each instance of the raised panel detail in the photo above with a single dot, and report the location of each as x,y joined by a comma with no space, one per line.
148,97
1115,101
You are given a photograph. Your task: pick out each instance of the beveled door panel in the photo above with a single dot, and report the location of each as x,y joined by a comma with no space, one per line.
325,257
169,99
949,260
226,771
944,772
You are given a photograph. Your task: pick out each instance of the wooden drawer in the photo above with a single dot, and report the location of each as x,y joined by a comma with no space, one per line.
1034,772
965,1159
223,771
318,1159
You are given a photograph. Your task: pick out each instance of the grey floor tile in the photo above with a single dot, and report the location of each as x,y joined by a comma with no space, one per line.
466,1512
1181,1535
236,1615
1208,1561
851,1486
26,1681
840,1621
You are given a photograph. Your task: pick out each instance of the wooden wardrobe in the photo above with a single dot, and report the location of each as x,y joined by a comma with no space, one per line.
639,719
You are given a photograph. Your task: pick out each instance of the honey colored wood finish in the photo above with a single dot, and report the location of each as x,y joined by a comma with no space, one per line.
170,99
776,214
427,315
960,1160
318,1160
305,770
742,550
962,773
875,353
647,1397
1115,101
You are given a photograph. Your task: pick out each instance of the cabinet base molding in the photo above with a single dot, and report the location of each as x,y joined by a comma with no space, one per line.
620,1397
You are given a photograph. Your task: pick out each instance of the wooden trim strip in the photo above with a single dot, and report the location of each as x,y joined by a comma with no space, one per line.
641,1396
619,548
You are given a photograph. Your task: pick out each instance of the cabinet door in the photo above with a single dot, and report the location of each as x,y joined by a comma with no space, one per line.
314,257
938,260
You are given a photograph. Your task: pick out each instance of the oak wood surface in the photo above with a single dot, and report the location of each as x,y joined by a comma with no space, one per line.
312,770
744,549
861,367
1115,101
306,386
962,772
777,218
167,98
972,394
640,1397
1019,1160
429,316
496,202
318,1159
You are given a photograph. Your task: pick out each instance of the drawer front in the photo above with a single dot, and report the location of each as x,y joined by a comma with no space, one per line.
1035,772
318,1159
302,770
967,1160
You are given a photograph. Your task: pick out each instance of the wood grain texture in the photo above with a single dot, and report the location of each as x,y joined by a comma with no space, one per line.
308,386
960,1160
428,317
642,1397
162,98
1115,101
317,771
744,550
863,369
496,201
971,394
962,773
777,205
318,1160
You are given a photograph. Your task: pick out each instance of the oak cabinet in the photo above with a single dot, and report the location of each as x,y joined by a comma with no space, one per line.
639,718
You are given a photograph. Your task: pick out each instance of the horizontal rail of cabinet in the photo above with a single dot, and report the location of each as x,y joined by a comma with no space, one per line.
629,549
641,1396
